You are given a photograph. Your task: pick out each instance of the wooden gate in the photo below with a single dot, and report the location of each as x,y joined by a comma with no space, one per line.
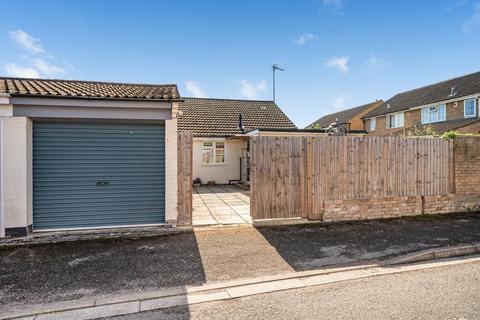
184,178
292,176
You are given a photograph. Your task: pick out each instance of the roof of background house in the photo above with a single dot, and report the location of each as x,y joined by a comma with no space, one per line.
343,116
441,91
219,117
87,89
441,127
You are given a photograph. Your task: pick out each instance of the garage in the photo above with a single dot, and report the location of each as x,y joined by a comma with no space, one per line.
94,174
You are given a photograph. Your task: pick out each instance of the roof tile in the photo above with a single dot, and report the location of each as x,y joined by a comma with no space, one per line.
219,117
441,91
87,89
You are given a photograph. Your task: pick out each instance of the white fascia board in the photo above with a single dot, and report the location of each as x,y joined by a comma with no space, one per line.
91,103
472,96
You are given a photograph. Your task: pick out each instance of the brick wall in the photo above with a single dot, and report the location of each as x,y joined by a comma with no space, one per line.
466,197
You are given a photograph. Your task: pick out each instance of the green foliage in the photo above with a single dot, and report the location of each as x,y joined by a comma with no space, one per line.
450,134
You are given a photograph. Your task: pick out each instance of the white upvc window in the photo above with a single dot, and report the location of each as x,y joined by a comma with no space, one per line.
373,124
434,114
395,120
470,108
213,152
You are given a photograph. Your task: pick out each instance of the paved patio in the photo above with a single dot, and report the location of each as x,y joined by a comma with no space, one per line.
222,204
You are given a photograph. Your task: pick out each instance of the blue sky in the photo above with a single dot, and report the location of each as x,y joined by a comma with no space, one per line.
337,53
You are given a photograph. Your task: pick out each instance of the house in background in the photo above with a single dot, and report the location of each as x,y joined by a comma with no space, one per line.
444,106
85,154
220,128
352,116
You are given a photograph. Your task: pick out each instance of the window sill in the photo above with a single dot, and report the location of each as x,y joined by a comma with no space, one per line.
433,122
214,164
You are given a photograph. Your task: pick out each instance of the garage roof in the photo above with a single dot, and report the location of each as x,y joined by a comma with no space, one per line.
87,89
207,117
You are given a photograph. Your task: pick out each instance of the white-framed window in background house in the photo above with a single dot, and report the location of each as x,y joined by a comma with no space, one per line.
213,152
434,114
395,120
373,124
470,108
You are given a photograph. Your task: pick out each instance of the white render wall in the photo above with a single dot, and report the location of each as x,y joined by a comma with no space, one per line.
220,173
171,171
17,171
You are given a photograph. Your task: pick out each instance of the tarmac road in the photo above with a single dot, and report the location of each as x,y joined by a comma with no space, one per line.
444,293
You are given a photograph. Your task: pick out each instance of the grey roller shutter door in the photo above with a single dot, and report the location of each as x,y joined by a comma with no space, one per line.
97,175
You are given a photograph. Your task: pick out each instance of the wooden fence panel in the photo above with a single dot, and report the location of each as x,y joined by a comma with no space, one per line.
293,176
184,177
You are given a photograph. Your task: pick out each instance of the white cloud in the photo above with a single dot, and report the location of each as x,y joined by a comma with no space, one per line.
377,64
37,63
194,89
306,37
15,70
251,90
339,101
25,40
339,63
333,5
46,69
473,23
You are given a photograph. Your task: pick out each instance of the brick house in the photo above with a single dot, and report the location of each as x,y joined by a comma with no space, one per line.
352,116
444,106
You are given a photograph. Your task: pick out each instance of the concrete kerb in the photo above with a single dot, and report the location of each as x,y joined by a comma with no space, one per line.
437,253
232,289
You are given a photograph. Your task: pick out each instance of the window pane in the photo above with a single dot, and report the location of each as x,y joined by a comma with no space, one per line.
220,152
207,152
442,113
219,158
470,108
220,145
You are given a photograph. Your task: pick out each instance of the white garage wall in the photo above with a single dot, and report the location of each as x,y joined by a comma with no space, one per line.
220,173
18,173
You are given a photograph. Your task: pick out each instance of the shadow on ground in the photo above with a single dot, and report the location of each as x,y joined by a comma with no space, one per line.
85,270
68,271
307,247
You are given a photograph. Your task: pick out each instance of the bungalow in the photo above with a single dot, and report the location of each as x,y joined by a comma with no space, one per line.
352,116
220,128
443,106
82,154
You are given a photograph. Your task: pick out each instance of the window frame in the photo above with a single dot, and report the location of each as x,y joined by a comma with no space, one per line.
426,111
214,155
474,108
387,120
373,124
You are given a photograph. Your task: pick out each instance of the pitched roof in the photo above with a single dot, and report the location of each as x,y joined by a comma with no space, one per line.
344,115
441,127
87,89
219,117
441,91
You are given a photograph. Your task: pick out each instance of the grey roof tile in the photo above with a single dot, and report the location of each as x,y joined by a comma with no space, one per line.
219,117
441,91
87,89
